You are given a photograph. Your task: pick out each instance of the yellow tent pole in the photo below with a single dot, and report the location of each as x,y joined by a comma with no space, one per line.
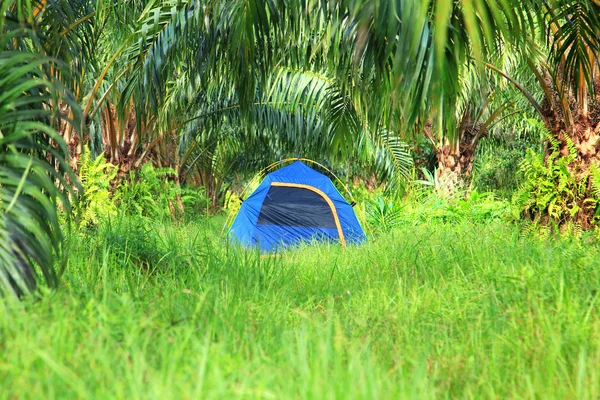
271,167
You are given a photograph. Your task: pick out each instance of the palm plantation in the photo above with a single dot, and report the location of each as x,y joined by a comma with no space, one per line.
131,130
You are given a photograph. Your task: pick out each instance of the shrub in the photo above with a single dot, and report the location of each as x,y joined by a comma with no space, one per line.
474,207
96,176
151,192
499,155
556,190
382,214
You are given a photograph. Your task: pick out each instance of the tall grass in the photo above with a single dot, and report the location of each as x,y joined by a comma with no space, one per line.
167,311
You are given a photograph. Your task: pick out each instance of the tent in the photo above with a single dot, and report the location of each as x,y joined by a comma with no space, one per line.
292,205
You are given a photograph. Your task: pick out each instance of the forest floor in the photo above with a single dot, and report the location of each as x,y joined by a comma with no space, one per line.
162,310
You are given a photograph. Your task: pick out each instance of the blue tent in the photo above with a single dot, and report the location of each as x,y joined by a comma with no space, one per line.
295,204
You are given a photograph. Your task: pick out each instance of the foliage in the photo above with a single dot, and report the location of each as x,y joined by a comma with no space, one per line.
499,155
233,203
151,192
194,201
96,176
142,194
350,81
474,206
425,202
34,175
379,214
280,77
495,170
383,215
298,113
555,188
443,186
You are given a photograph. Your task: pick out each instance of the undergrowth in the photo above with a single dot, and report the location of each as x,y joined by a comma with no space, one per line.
148,192
556,191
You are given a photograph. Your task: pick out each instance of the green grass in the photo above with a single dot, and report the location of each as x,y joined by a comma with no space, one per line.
165,311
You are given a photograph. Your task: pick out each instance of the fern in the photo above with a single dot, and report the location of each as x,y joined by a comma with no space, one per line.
555,188
96,176
153,193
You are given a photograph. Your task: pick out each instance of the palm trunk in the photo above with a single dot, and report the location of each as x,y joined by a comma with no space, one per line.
455,161
459,162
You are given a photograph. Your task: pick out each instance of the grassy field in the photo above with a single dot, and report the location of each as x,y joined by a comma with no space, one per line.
167,311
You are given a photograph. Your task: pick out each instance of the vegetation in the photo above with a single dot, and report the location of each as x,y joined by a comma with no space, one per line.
468,132
494,314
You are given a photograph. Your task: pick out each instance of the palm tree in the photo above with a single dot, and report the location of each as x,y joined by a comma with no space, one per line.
180,73
562,54
398,64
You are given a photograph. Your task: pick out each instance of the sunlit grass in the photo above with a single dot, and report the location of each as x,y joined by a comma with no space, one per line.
467,310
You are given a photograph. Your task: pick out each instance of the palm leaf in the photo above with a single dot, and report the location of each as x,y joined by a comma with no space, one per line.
575,26
32,161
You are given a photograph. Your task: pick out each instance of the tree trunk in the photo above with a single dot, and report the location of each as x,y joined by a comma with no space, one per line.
455,163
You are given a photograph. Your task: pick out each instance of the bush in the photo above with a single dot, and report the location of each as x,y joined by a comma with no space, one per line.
96,176
382,214
474,207
556,190
151,192
499,156
497,172
194,200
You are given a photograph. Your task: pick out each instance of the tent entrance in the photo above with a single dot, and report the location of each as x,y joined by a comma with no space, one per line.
298,205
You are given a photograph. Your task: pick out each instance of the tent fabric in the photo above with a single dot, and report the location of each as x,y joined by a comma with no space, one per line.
292,205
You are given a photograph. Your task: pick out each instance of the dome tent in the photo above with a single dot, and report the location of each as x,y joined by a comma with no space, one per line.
292,205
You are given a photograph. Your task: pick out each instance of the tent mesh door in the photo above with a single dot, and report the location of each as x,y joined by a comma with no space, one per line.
299,207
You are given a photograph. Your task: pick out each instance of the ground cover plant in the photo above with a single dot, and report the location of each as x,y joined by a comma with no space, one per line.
415,313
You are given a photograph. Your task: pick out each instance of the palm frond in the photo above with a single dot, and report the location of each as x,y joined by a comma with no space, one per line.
574,26
32,163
